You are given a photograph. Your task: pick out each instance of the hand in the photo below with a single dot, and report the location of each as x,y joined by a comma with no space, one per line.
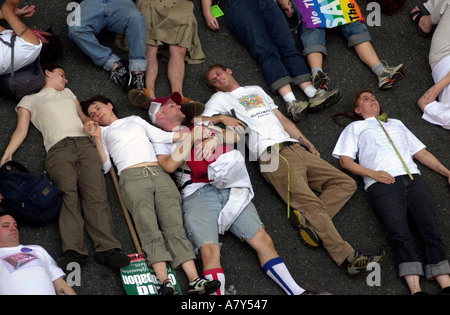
212,23
287,7
26,11
92,128
205,148
5,158
382,177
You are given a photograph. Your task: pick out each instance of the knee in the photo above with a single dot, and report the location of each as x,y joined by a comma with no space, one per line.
210,253
177,51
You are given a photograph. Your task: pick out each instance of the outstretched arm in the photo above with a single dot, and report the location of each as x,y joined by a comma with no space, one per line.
19,135
430,161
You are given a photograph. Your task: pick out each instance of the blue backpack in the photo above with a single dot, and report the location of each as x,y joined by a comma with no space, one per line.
34,200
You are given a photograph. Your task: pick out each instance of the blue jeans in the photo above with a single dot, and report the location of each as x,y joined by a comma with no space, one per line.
119,16
262,27
201,211
394,204
313,40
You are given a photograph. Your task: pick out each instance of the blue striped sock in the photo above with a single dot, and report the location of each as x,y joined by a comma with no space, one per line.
277,270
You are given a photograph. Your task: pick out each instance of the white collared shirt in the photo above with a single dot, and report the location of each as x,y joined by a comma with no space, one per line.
366,142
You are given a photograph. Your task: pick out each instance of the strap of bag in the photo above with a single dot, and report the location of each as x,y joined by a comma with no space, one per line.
11,44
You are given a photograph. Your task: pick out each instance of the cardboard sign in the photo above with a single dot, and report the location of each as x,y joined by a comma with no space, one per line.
328,13
140,279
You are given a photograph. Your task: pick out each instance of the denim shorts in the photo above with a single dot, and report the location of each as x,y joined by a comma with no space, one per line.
201,211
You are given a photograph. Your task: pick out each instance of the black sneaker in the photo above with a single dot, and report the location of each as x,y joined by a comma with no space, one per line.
121,75
305,232
113,257
203,286
70,256
167,288
137,80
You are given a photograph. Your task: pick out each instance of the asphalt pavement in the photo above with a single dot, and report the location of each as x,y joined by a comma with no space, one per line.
395,40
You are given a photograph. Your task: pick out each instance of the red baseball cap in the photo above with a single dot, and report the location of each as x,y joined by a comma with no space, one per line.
156,104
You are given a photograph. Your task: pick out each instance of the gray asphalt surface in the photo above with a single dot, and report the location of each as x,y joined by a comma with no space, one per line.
396,41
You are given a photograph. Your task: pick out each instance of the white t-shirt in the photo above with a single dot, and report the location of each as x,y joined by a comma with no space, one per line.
366,141
129,142
25,53
54,114
27,270
254,107
438,111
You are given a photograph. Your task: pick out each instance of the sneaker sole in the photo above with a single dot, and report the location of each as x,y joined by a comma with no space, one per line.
399,75
138,99
306,234
333,99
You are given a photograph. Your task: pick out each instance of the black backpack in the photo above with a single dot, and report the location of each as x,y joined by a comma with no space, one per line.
33,199
24,81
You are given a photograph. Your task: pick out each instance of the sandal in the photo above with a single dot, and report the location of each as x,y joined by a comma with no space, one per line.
415,18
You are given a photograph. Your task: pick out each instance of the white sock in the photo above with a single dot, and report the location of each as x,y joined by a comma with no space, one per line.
216,274
310,91
289,97
277,270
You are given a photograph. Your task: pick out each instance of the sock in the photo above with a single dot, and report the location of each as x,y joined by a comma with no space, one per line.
378,69
289,97
216,274
277,270
315,69
310,91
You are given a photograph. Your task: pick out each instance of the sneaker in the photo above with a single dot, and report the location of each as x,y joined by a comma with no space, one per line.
167,288
305,232
390,76
361,261
297,109
191,108
320,80
113,257
137,80
140,98
72,256
203,286
121,75
324,99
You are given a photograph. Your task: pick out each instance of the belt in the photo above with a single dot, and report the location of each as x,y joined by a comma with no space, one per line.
280,145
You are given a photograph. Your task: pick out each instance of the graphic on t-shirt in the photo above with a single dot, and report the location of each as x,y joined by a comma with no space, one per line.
251,101
16,261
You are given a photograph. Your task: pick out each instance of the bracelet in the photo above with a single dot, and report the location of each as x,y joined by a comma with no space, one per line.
39,34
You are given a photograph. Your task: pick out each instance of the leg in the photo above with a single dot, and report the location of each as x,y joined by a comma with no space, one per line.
390,206
176,68
125,18
152,69
92,22
94,198
306,201
60,166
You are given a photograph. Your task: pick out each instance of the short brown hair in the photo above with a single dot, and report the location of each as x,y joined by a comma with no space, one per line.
209,70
